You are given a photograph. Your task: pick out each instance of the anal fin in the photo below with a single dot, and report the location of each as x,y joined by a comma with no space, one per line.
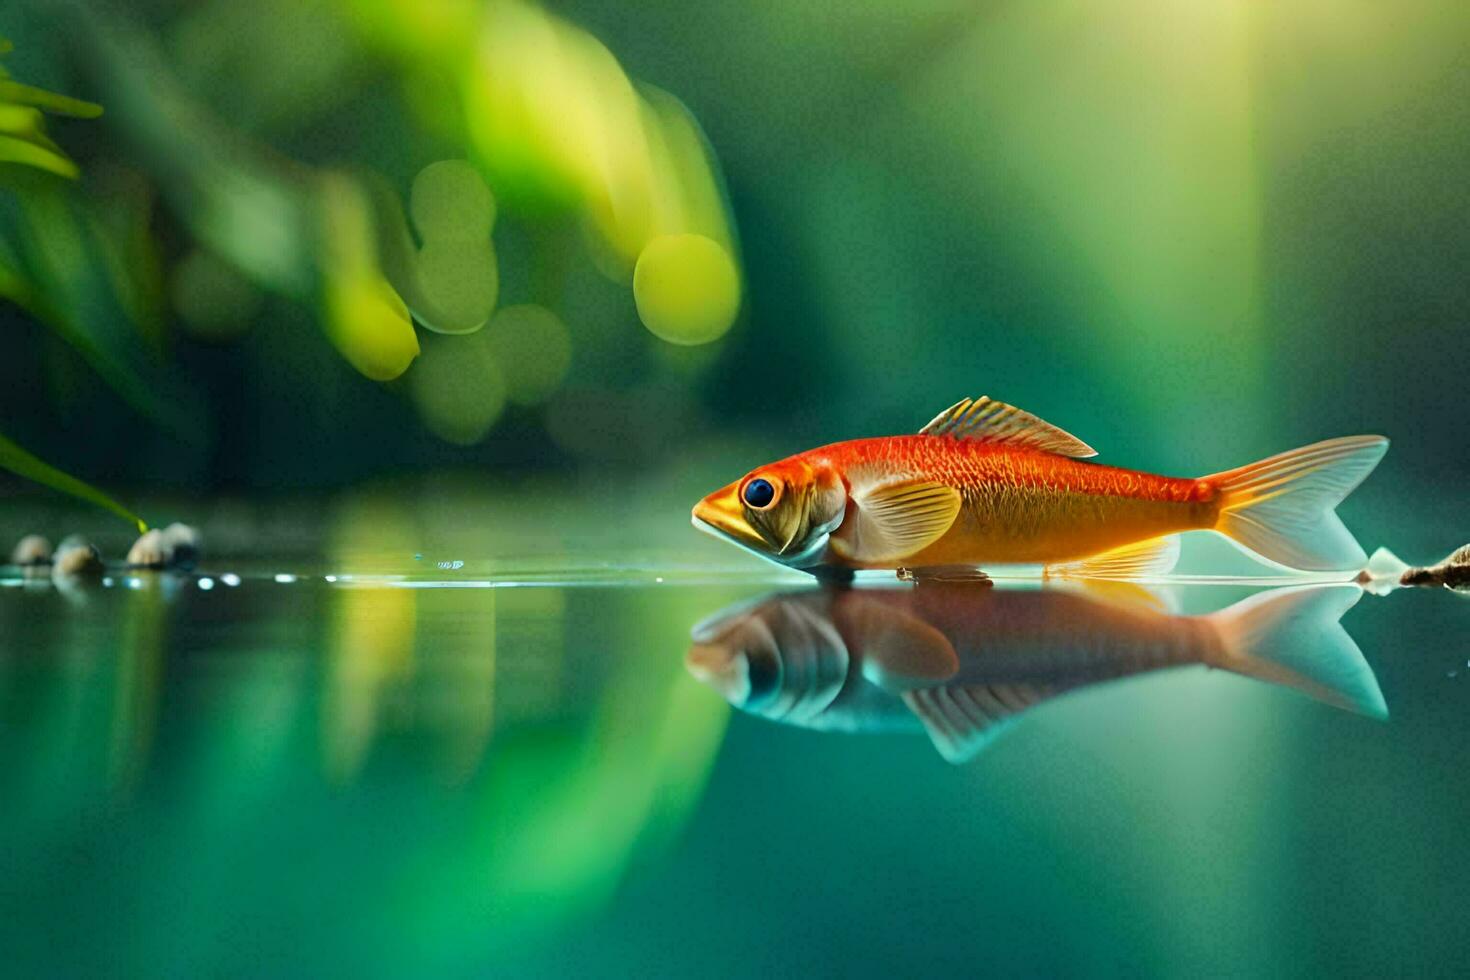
899,651
962,719
1122,594
1142,559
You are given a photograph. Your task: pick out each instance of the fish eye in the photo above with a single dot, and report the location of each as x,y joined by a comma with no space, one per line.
759,493
762,675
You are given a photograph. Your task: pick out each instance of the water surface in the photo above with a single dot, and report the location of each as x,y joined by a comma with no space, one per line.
374,764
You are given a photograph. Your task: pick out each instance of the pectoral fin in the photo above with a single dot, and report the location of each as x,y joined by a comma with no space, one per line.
962,719
893,521
899,651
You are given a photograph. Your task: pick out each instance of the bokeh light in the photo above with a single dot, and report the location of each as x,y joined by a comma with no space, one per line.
686,288
458,388
458,282
560,127
536,349
529,107
691,194
369,324
364,317
450,202
455,276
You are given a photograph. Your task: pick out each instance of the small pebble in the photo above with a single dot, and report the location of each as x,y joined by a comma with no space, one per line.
176,546
31,550
186,542
152,550
75,557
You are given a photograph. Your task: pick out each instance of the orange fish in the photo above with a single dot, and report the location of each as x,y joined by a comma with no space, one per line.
987,484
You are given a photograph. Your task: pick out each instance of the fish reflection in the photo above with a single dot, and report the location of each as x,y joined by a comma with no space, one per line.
960,662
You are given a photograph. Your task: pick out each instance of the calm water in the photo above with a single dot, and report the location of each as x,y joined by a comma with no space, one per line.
402,769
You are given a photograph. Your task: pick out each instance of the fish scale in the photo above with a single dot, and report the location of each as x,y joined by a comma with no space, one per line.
1019,505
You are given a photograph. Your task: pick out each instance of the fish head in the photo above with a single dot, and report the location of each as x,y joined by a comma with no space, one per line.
784,511
782,658
738,657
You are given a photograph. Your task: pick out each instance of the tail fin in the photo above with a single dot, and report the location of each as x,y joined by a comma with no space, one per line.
1282,508
1292,637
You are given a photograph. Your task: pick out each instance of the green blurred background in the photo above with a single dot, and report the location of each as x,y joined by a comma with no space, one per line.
1191,232
258,293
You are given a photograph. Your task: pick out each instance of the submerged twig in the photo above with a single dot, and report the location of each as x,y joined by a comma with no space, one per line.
1386,572
1452,573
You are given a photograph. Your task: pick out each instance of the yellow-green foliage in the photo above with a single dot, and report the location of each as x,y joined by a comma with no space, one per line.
23,140
22,463
22,127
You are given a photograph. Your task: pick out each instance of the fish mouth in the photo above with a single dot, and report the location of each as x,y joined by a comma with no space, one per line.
722,514
721,668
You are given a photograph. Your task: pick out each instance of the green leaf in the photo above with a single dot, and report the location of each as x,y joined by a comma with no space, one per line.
18,461
32,153
50,101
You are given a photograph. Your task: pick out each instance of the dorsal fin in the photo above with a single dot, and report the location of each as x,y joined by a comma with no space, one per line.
986,419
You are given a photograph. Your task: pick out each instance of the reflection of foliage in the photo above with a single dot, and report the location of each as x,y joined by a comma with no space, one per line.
399,760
